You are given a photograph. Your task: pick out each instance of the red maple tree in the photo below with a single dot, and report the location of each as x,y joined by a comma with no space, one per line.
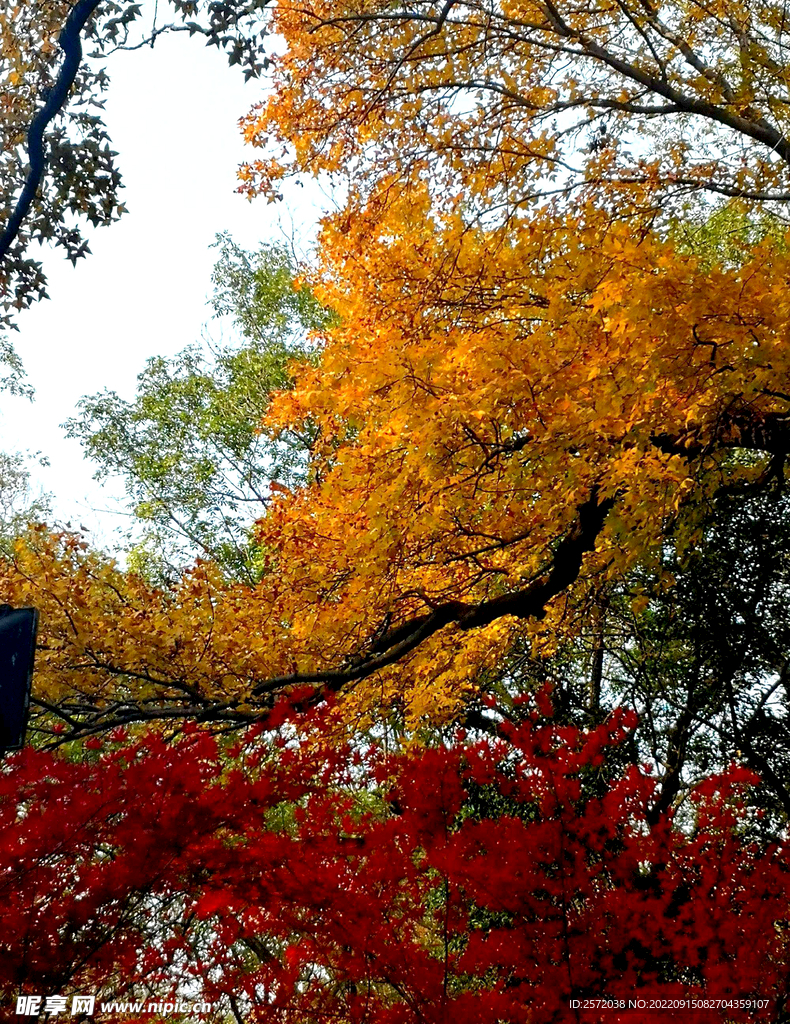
295,880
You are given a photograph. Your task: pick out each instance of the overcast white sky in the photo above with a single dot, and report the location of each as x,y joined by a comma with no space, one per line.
172,114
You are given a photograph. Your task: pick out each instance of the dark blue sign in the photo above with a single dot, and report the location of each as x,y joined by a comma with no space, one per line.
18,628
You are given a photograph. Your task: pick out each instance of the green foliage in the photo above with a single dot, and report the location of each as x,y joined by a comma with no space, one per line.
13,381
698,647
190,449
19,507
258,291
726,236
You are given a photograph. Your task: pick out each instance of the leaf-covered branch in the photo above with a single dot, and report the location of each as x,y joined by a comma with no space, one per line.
71,43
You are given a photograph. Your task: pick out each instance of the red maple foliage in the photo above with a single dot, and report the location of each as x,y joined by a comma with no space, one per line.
296,880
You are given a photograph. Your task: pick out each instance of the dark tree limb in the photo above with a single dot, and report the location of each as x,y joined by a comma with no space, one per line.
87,719
71,44
527,602
737,428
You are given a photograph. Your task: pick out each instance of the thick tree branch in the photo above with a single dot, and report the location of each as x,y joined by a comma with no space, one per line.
71,44
739,427
527,602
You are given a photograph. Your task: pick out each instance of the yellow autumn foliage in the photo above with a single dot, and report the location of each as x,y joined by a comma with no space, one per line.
530,381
